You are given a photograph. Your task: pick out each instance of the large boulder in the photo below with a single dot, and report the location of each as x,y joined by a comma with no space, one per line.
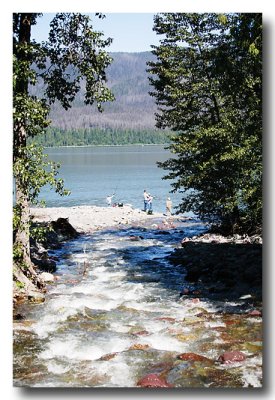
64,229
43,262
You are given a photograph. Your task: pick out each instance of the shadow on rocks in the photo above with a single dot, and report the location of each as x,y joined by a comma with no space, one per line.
222,271
59,231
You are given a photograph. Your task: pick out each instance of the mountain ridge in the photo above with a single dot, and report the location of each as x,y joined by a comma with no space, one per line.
133,108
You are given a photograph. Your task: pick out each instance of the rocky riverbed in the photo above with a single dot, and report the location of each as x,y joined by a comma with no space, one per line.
154,303
66,223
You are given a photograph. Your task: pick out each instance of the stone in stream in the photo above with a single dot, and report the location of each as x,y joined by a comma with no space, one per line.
231,356
195,300
255,313
185,291
135,238
153,381
46,277
141,333
193,357
168,319
34,296
139,346
108,356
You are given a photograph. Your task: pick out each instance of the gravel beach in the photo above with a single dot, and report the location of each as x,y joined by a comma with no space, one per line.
87,219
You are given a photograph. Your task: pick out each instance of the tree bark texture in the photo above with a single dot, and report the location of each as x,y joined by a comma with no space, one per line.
22,236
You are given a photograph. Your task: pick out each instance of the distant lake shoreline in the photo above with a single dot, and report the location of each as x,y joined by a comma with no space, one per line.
94,172
109,145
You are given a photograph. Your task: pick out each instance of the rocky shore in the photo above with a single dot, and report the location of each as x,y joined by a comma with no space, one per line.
86,219
218,267
30,284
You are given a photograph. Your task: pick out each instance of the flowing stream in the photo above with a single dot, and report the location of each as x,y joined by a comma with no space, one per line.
115,314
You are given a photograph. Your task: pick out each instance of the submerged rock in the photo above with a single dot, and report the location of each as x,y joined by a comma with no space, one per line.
255,313
194,357
139,346
153,381
108,356
168,319
231,356
141,333
185,291
135,238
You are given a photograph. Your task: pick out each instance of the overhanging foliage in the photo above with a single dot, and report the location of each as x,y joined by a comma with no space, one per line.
207,85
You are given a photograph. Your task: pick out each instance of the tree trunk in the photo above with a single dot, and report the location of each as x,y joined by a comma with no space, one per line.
22,235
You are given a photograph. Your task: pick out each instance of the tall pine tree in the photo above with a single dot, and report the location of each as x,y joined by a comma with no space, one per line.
207,85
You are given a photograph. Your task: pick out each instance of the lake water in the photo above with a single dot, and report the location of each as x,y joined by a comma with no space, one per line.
93,173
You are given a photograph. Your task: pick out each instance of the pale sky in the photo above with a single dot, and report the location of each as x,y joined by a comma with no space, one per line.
131,32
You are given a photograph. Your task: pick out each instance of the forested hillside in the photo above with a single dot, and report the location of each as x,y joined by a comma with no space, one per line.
129,119
98,136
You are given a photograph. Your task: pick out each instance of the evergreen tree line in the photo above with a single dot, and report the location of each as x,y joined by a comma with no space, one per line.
55,137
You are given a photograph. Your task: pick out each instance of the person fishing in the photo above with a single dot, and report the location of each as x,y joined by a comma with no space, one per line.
168,206
109,199
145,199
149,204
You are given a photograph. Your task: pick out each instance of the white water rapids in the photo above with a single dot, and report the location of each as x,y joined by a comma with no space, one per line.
115,314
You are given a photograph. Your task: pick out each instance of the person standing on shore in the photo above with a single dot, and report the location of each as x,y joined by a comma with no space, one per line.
168,206
145,199
149,203
109,199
